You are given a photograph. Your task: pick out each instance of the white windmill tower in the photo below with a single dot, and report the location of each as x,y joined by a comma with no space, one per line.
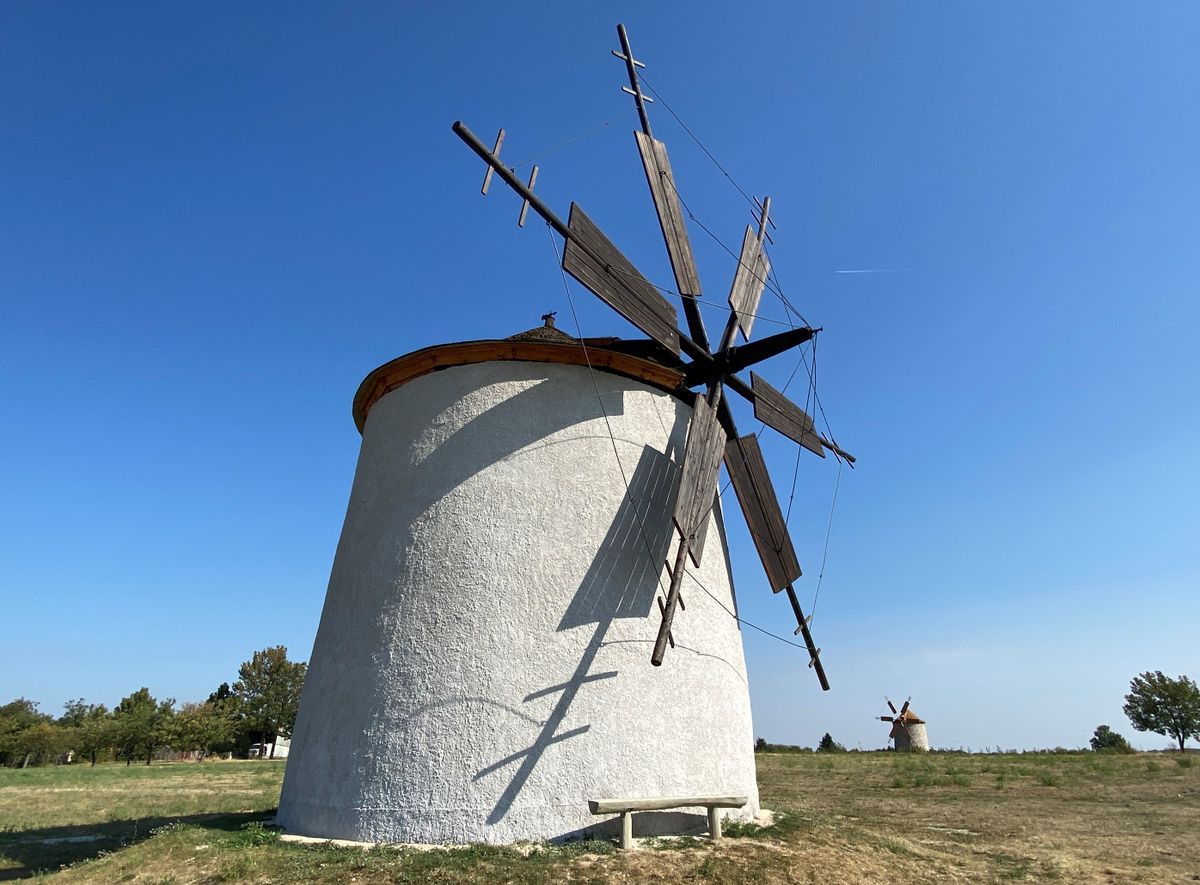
480,672
908,729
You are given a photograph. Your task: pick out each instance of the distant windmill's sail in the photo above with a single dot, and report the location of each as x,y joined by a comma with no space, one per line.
698,483
617,282
748,282
776,410
748,471
670,214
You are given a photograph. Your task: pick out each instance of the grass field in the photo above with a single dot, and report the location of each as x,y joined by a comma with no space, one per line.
852,817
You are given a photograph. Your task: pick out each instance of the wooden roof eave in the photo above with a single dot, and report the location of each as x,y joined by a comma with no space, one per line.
401,370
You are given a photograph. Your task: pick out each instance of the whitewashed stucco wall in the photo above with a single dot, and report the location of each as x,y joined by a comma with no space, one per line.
916,737
482,665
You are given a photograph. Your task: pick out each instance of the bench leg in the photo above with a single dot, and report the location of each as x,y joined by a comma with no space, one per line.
626,829
714,823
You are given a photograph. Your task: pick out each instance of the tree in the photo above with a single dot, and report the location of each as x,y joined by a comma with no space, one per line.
74,713
268,692
202,728
829,745
87,728
1166,706
223,693
1105,739
96,734
760,745
142,725
16,719
42,742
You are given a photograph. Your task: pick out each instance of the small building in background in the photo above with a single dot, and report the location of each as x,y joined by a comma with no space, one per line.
280,744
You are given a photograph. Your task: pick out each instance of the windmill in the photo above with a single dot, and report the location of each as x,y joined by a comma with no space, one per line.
479,670
908,729
591,258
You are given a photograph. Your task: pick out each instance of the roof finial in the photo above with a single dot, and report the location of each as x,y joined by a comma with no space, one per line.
548,318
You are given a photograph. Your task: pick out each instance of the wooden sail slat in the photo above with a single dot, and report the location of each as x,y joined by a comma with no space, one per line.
756,494
617,282
698,483
776,410
748,281
670,213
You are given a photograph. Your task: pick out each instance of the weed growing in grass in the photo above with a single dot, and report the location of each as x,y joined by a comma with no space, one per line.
1049,779
741,829
1152,767
787,823
575,847
673,843
1183,761
237,867
254,833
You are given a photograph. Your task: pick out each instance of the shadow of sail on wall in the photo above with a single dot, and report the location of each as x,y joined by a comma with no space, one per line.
623,578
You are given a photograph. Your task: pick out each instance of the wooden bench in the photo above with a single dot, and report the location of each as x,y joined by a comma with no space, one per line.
626,807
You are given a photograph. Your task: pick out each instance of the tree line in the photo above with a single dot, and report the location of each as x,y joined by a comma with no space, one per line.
258,707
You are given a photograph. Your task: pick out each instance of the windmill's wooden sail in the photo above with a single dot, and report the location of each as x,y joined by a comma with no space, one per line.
698,483
752,484
776,410
748,281
617,282
670,213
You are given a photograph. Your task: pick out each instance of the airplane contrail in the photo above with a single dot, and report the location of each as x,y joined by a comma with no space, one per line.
875,270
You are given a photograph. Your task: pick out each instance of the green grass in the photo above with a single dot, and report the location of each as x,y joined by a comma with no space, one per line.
59,815
840,817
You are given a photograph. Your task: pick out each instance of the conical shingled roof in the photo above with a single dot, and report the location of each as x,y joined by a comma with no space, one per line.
545,332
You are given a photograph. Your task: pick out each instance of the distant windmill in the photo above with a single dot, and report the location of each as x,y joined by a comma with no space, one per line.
908,729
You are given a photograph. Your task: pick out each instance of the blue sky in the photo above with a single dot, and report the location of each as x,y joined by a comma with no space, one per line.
216,220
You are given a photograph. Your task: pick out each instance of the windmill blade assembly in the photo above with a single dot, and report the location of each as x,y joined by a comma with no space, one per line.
591,258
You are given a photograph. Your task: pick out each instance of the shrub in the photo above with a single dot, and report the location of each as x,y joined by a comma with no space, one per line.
829,745
1106,740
